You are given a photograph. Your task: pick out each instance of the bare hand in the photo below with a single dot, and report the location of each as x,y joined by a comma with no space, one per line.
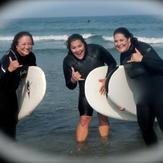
136,57
76,76
102,88
14,64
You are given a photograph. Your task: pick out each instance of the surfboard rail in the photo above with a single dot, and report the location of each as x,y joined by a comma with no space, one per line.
31,91
102,103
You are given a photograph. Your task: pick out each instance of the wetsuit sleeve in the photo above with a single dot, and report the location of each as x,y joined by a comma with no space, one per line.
67,74
152,60
5,75
108,59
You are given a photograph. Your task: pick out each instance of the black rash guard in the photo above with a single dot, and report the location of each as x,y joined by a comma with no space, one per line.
95,56
9,82
152,104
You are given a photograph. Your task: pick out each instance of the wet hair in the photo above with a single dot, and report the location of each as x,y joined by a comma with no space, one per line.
127,34
18,36
123,31
75,37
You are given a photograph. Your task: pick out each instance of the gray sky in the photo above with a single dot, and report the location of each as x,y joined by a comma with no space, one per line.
52,8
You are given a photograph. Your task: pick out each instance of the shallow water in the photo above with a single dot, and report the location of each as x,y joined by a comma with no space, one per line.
51,127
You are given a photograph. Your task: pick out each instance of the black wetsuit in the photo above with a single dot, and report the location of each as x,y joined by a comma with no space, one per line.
9,82
151,106
95,56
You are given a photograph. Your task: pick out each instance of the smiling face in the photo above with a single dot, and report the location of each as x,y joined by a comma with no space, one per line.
121,42
78,49
24,45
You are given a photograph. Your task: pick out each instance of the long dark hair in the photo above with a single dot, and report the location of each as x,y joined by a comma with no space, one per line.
18,36
127,34
74,37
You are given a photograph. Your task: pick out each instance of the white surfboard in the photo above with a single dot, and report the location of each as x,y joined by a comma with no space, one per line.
124,91
101,103
31,91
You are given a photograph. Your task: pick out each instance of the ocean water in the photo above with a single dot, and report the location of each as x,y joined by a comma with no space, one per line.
51,127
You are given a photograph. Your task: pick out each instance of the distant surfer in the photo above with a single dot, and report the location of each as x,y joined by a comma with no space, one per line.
12,65
149,64
80,60
88,21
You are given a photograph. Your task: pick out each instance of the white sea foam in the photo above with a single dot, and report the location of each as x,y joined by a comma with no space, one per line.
87,35
108,38
48,37
7,38
38,38
150,40
51,37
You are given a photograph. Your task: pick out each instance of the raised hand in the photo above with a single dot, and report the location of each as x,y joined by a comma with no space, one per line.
14,64
136,57
76,76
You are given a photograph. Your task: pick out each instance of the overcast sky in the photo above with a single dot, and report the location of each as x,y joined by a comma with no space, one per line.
52,8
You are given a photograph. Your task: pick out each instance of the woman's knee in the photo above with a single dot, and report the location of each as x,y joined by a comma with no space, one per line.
103,120
85,121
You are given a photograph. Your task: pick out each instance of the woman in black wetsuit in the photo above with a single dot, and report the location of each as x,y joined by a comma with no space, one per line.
149,65
11,67
81,59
